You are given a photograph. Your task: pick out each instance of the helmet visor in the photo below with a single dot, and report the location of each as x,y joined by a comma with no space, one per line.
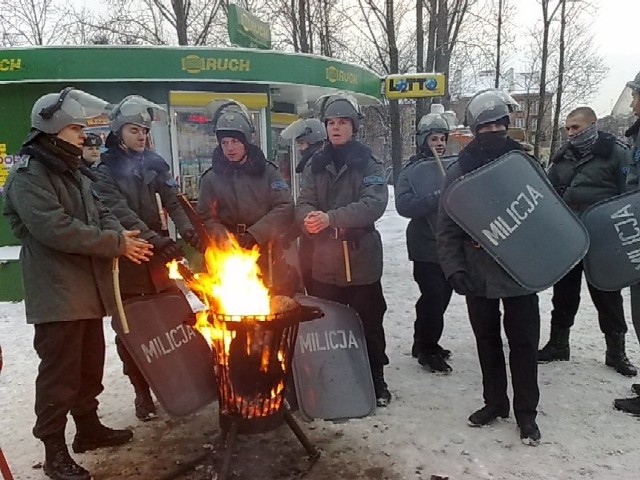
216,108
93,106
294,130
324,101
135,105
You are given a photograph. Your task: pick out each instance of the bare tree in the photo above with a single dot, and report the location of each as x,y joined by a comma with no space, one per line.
32,22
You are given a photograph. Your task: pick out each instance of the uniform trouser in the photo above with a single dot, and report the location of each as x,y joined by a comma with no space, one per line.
522,327
368,301
305,259
566,300
435,294
70,372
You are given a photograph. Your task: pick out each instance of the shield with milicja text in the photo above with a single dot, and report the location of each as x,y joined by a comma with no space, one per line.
511,210
175,360
330,364
613,259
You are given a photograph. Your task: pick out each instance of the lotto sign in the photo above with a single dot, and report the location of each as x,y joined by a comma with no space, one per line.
415,85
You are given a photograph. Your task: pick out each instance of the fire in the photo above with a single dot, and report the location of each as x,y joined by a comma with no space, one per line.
232,282
232,290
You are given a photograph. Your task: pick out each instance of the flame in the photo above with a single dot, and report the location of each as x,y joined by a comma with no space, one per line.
232,287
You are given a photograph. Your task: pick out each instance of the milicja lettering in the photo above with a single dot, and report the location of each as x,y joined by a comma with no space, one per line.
517,212
327,340
165,344
628,232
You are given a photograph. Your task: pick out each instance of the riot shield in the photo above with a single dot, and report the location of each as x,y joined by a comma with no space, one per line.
613,259
426,179
513,212
330,364
176,360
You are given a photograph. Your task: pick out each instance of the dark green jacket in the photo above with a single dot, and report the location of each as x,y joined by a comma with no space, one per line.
599,175
127,183
354,198
252,194
68,239
421,238
634,174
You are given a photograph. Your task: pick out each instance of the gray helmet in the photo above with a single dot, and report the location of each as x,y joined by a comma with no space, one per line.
228,115
309,130
339,105
428,124
635,83
133,109
488,106
54,111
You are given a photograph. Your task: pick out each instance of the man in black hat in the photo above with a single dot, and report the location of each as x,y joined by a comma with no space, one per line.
91,149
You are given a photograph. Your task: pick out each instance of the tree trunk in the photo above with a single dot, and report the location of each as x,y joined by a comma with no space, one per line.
561,48
498,45
394,108
420,107
302,25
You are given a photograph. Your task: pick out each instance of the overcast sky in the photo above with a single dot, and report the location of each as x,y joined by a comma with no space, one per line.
617,37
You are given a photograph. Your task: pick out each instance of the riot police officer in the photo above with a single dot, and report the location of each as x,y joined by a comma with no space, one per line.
244,196
343,193
485,284
421,207
68,241
632,405
129,179
309,135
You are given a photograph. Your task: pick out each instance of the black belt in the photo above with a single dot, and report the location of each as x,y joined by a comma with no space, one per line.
237,228
349,234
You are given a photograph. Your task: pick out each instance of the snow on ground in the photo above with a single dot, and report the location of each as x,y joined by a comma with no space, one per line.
423,432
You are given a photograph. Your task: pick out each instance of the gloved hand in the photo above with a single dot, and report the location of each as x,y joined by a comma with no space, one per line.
193,239
461,283
165,248
246,241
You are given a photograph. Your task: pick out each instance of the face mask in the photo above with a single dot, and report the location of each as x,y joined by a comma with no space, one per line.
584,141
492,143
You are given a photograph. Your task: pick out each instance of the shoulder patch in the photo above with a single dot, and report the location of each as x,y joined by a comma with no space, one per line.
625,170
171,182
23,162
373,180
279,185
636,155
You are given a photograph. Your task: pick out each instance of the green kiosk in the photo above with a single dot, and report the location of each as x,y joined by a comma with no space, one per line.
277,87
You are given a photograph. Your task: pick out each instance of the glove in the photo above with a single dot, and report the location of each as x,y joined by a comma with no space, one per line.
193,239
165,248
246,241
461,283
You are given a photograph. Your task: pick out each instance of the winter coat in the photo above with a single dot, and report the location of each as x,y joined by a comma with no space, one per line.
354,198
599,175
633,133
127,183
421,238
251,194
457,251
68,239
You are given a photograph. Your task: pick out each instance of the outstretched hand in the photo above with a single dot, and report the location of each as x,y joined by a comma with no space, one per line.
136,249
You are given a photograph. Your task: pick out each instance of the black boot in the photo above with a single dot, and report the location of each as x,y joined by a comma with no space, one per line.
434,363
383,396
58,464
145,408
616,356
92,434
628,405
558,346
635,388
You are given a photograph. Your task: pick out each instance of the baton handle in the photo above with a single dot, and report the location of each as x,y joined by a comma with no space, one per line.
438,161
347,260
194,218
115,271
